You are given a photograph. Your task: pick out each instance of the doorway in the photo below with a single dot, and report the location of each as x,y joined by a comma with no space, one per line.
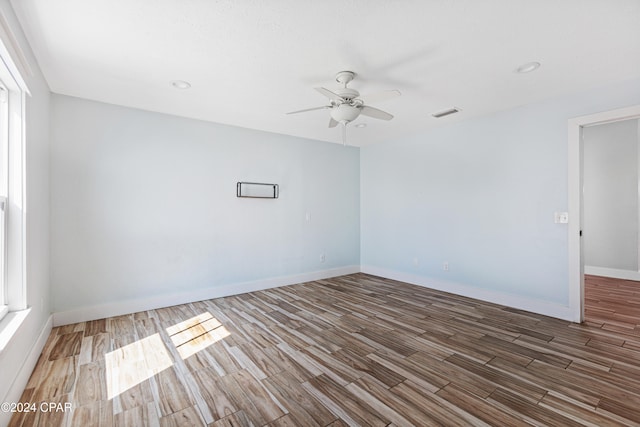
575,205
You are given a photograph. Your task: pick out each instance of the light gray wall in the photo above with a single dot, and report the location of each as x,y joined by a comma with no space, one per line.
480,195
144,204
15,364
610,185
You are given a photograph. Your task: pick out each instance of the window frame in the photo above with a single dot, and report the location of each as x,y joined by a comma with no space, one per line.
4,176
4,306
12,188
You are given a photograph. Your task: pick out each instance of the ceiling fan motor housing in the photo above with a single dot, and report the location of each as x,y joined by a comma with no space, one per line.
347,93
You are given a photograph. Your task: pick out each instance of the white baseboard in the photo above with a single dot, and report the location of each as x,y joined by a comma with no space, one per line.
133,306
529,304
612,272
22,378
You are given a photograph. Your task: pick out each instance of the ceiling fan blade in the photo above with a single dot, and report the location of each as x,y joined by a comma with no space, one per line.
375,113
309,109
332,96
332,123
380,96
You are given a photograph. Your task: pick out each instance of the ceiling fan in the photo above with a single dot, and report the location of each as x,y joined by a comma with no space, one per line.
346,104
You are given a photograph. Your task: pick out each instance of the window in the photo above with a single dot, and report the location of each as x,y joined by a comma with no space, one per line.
12,210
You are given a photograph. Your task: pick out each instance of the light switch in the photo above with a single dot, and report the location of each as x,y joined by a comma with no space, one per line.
561,217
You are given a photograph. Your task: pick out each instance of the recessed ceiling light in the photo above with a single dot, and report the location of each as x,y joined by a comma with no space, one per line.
528,67
361,125
180,84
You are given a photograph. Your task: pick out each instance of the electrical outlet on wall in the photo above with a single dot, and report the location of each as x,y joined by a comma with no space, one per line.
323,258
445,266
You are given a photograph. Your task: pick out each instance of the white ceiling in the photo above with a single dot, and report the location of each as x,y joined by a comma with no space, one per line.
251,61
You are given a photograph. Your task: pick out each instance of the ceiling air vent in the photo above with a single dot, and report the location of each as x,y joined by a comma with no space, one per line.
445,112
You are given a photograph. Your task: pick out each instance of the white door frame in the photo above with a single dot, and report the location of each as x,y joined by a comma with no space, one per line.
576,264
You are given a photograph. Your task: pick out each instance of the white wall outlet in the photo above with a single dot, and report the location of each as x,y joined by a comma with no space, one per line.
416,262
445,266
561,217
323,258
307,216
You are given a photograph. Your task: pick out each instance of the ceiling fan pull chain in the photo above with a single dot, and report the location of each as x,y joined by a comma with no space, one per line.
344,134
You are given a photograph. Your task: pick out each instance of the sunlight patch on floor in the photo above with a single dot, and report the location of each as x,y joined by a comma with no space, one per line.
196,334
130,365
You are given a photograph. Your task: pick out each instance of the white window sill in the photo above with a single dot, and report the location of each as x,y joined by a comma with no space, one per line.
10,325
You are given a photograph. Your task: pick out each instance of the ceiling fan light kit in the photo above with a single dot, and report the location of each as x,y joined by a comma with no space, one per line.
346,105
344,113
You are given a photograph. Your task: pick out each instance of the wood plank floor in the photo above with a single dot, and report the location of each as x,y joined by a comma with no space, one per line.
354,350
612,304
